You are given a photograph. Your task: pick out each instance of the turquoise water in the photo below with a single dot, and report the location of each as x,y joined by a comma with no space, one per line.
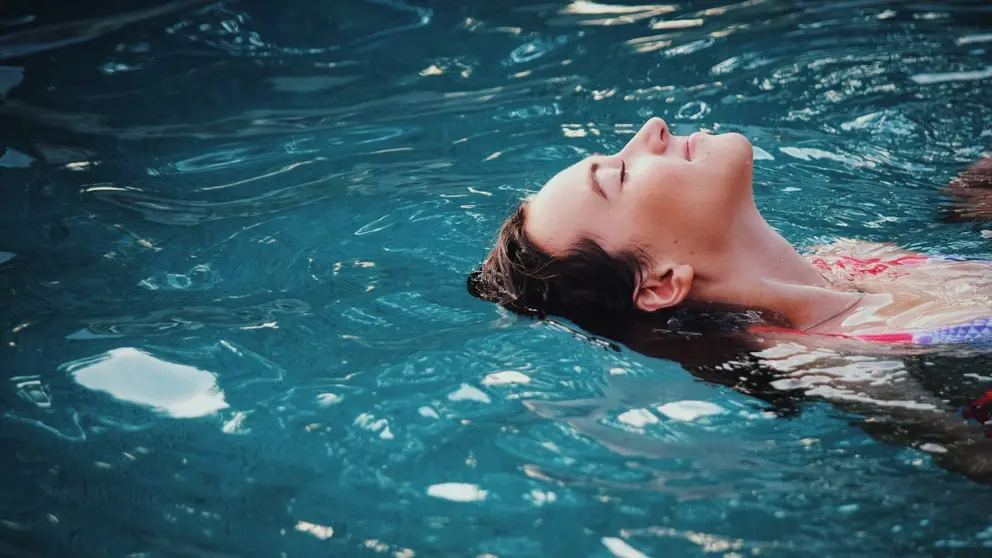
234,239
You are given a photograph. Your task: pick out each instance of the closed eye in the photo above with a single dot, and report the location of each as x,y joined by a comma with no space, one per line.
594,182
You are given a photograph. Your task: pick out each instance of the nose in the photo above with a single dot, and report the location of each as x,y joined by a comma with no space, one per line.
653,137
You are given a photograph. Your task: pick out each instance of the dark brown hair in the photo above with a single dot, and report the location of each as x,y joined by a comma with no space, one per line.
595,289
583,283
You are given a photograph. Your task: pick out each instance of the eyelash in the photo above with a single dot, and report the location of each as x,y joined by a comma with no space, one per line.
623,172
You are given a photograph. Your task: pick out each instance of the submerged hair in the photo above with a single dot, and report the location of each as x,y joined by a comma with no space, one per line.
585,282
595,289
592,287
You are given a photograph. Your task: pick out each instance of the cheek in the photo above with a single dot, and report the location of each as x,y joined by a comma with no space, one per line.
616,230
667,189
664,201
685,208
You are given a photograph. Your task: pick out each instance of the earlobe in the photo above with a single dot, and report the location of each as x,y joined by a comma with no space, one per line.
666,289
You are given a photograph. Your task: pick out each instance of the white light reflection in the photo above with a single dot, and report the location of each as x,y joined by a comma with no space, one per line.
677,24
638,418
621,549
132,375
322,532
505,377
612,14
689,411
942,77
457,492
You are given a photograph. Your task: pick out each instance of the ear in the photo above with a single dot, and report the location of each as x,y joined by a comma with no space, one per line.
666,288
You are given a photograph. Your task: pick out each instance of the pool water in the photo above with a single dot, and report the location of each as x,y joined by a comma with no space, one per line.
233,244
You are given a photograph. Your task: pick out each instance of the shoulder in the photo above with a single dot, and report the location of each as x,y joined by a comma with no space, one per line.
861,249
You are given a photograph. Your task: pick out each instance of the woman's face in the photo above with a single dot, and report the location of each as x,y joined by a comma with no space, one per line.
674,197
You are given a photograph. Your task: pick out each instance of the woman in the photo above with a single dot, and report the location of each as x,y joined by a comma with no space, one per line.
670,221
663,241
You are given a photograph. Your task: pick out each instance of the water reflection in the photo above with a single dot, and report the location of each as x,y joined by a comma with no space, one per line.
180,319
585,12
892,394
138,377
310,181
13,159
41,39
10,77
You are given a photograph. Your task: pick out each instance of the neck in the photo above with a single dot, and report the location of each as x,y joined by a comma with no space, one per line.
759,269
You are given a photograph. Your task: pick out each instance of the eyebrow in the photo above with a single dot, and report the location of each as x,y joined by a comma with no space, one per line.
593,183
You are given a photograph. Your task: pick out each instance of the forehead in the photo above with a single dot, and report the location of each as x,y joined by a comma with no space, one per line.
557,217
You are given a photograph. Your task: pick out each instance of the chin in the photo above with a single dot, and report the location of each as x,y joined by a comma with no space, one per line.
737,148
739,141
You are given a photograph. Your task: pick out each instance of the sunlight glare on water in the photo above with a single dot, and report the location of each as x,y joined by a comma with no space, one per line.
235,236
137,377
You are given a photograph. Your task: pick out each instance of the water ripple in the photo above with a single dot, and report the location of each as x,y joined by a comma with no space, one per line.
232,288
50,37
184,319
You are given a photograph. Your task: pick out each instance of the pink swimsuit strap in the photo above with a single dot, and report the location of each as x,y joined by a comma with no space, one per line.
973,332
895,337
978,331
867,266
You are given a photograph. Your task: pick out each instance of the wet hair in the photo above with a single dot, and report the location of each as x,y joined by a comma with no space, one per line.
594,289
590,286
584,283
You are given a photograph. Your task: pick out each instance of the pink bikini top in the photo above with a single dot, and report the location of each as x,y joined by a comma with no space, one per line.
973,332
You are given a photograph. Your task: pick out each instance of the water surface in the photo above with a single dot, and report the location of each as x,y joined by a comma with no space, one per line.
232,260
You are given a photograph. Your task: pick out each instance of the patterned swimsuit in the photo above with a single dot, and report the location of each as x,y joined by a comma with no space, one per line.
975,332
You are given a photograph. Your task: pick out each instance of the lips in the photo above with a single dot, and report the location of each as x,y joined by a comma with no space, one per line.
690,146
